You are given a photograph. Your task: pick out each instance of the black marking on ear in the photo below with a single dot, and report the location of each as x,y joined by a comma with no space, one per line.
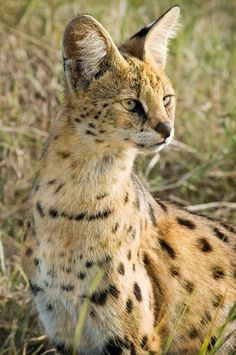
186,223
220,235
99,297
166,247
144,31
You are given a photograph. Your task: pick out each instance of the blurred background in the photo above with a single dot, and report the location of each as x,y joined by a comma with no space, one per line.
198,171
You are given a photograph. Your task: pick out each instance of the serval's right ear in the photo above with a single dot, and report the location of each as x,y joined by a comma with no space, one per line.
88,51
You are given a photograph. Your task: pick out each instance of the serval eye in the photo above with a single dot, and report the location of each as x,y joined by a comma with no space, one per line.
166,100
129,104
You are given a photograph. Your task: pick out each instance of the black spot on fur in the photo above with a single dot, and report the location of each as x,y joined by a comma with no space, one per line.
101,196
100,214
228,227
51,182
39,209
53,213
35,288
62,349
193,333
67,288
92,125
88,132
59,187
137,292
186,223
216,301
206,318
129,254
115,228
63,155
81,275
220,235
126,199
132,349
99,297
174,270
204,245
218,272
121,269
114,291
167,248
113,347
152,215
49,307
36,261
78,120
129,305
144,342
29,251
211,343
89,264
188,286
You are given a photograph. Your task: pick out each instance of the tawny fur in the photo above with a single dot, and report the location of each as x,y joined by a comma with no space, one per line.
90,213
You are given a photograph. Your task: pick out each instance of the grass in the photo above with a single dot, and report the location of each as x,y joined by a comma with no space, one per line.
198,169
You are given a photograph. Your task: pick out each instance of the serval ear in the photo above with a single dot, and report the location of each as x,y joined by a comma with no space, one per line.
88,51
150,44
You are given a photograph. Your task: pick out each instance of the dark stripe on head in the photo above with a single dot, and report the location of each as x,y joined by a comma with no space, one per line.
162,205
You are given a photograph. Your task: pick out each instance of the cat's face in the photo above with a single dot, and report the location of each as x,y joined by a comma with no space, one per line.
120,97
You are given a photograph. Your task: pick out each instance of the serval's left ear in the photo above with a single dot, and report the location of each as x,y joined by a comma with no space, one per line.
151,42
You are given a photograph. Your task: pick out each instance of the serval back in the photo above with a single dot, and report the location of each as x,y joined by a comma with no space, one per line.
91,214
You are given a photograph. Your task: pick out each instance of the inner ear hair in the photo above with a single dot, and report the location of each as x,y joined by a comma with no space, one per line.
88,51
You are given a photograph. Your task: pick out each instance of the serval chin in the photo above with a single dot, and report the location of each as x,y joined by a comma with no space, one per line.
92,215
